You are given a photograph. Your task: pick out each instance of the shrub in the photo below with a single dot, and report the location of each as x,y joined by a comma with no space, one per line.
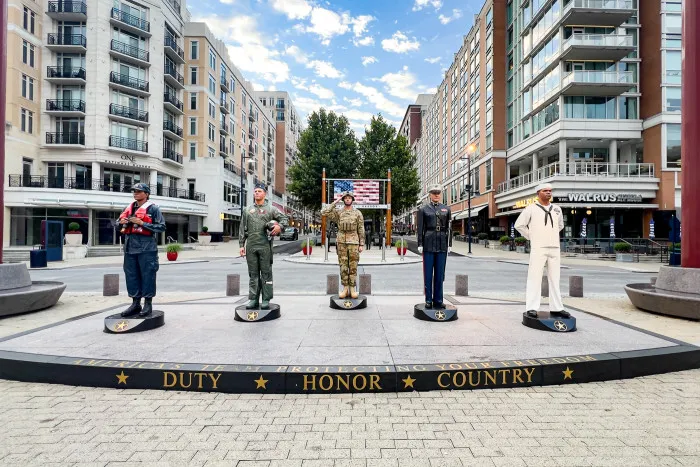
173,248
520,241
73,228
205,229
400,243
308,242
504,239
622,247
482,236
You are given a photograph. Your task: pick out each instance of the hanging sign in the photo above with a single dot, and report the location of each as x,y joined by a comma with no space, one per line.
612,227
584,222
652,234
512,230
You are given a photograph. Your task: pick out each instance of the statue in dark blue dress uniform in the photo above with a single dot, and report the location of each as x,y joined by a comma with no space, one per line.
434,242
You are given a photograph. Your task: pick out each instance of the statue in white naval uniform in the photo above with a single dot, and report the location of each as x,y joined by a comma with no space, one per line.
541,222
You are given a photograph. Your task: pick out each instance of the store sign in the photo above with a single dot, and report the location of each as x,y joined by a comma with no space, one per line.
523,203
599,198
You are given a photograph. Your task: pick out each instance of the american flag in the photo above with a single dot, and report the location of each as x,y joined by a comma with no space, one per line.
365,191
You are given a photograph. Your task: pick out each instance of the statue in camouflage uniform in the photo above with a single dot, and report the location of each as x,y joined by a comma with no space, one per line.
256,245
350,240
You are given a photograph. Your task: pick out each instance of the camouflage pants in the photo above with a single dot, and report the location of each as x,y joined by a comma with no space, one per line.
348,257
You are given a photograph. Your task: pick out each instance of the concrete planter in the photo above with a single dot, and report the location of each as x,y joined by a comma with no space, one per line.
74,251
505,247
624,257
204,239
74,239
520,249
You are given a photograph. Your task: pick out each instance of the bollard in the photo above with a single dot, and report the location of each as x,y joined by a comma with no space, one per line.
652,281
110,285
383,250
366,284
233,285
575,286
462,285
332,284
325,258
545,286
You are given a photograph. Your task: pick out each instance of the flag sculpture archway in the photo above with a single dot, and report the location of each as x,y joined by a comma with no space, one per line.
372,193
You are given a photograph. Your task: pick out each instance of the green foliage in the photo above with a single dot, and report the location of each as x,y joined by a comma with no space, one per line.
520,241
327,142
308,242
173,248
504,239
73,226
380,149
205,229
401,243
622,247
482,236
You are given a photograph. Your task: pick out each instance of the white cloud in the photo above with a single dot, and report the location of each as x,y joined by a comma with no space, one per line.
299,83
297,54
359,24
401,84
226,2
456,14
321,92
400,43
324,69
420,4
327,24
374,96
367,40
369,60
294,9
432,60
354,101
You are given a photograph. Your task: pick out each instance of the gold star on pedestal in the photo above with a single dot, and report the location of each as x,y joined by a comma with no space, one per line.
121,325
568,373
408,382
121,378
440,315
261,383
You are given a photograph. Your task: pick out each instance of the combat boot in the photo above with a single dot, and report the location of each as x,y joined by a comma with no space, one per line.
353,292
252,304
134,309
344,293
147,308
265,305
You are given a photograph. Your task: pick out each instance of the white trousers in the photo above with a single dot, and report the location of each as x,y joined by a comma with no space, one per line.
533,296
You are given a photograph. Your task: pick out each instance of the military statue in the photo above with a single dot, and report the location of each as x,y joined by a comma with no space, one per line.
434,242
259,223
141,221
350,240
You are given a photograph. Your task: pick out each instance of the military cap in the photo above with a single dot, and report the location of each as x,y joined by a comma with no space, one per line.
435,188
261,186
141,187
348,193
544,186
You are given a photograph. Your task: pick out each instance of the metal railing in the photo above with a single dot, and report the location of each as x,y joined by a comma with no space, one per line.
175,4
231,168
131,20
223,148
65,72
579,169
598,77
65,138
601,4
68,6
172,155
65,105
171,98
128,112
639,247
172,127
66,39
128,81
128,143
172,72
599,40
171,43
130,50
42,181
223,106
223,127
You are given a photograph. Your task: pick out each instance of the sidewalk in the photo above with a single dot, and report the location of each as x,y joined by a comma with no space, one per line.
372,257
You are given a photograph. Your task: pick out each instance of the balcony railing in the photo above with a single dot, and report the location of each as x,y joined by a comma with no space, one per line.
598,77
42,181
128,112
602,4
66,39
172,155
171,98
223,126
128,143
65,72
68,6
231,168
128,81
599,40
222,105
171,127
65,138
171,71
579,169
131,20
223,148
175,4
171,43
130,50
65,105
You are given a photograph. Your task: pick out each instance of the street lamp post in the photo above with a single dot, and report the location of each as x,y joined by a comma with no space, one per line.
468,190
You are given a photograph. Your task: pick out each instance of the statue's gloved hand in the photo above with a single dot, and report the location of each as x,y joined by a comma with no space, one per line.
420,250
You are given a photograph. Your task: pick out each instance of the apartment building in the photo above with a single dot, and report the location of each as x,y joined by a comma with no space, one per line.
95,105
226,129
578,111
411,124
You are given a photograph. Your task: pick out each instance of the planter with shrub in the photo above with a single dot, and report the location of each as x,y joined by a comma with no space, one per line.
623,252
74,237
401,246
521,244
307,246
172,250
505,243
483,236
204,237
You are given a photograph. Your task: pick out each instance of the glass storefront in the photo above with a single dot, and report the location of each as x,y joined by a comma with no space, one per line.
628,222
25,223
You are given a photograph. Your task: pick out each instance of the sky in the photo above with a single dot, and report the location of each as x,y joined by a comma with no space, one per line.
355,57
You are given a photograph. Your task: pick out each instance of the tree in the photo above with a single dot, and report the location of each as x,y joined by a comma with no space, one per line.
380,150
327,142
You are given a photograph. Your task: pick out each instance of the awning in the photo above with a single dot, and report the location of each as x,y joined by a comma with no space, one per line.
465,214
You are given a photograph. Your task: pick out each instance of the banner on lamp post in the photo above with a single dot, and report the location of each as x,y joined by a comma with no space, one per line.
652,233
584,223
512,230
612,227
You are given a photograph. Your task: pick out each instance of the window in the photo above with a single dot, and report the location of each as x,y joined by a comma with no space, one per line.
193,75
489,175
27,121
194,50
672,24
193,126
212,59
27,87
212,84
28,54
193,151
212,151
673,99
212,132
672,66
673,145
29,19
193,101
212,109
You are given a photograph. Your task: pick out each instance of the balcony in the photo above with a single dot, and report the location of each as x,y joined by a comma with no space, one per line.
119,142
66,43
65,75
598,12
129,84
62,183
223,150
129,53
173,50
597,83
223,128
71,10
74,139
65,107
231,168
126,114
606,47
170,129
251,116
172,103
223,83
176,5
173,78
171,155
130,23
223,107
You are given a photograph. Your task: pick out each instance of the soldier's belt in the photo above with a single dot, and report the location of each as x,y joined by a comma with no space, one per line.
436,229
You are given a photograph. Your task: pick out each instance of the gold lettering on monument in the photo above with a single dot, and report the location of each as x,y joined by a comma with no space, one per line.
185,380
339,382
485,378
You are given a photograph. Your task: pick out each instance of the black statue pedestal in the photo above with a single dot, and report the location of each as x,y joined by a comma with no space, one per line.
449,313
348,303
548,322
116,324
256,314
